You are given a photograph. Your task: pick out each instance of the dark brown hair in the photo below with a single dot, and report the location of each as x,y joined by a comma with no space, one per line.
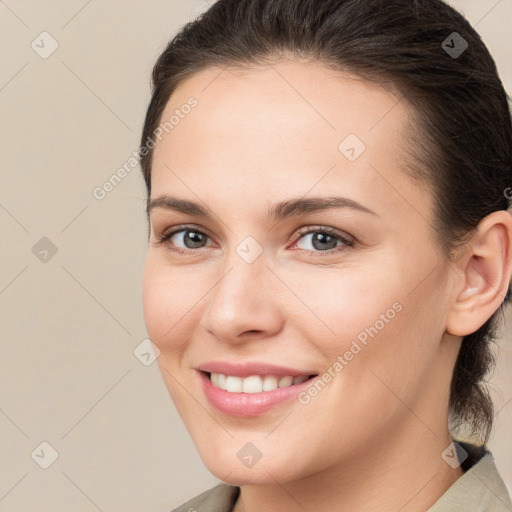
461,136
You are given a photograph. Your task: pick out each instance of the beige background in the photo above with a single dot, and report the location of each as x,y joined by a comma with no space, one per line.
70,325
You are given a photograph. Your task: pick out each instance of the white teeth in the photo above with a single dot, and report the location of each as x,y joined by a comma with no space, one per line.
234,384
254,383
270,383
221,380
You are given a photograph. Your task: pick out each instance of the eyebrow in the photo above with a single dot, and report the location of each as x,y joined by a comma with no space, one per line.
276,212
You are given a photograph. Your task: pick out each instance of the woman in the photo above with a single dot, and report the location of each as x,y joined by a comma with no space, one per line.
349,376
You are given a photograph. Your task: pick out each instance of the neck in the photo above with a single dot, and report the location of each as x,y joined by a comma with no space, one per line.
400,472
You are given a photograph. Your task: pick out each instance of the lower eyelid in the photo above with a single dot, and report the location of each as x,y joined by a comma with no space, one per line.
345,241
345,244
167,237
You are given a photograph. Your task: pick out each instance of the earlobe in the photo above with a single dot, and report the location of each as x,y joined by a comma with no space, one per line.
484,274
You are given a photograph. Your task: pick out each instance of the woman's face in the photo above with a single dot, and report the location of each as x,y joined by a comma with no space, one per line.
362,307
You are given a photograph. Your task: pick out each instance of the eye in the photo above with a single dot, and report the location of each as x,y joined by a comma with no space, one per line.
190,237
324,240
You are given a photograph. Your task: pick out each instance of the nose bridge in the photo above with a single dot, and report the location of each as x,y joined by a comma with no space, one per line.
244,276
241,300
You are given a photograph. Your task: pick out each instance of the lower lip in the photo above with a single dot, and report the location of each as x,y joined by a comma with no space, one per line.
245,405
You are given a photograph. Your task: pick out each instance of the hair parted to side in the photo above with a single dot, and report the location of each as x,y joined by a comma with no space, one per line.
460,140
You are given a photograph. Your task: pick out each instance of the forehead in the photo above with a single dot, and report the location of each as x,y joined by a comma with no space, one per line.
286,127
287,97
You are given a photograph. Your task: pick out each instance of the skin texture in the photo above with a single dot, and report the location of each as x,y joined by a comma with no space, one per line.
372,438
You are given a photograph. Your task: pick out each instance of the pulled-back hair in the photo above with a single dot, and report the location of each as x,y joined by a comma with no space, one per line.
460,140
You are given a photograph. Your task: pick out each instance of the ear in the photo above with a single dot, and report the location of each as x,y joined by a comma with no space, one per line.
484,273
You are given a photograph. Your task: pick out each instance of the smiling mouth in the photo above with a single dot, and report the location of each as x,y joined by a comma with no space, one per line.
254,383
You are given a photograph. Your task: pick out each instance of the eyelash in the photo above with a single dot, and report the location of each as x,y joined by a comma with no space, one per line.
348,243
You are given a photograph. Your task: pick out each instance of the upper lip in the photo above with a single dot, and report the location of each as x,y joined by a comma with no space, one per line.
247,369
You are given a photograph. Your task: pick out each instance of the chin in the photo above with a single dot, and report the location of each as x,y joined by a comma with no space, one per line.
233,471
252,476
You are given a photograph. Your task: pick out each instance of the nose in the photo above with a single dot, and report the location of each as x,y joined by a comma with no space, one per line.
244,304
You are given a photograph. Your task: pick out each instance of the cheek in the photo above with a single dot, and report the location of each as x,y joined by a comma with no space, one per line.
344,304
164,304
168,319
371,321
153,301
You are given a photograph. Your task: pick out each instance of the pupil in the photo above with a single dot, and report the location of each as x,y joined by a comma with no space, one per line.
322,238
193,237
319,240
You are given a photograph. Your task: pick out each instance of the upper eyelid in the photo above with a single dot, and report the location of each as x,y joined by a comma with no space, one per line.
177,229
168,233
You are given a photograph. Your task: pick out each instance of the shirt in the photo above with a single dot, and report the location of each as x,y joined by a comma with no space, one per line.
479,489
